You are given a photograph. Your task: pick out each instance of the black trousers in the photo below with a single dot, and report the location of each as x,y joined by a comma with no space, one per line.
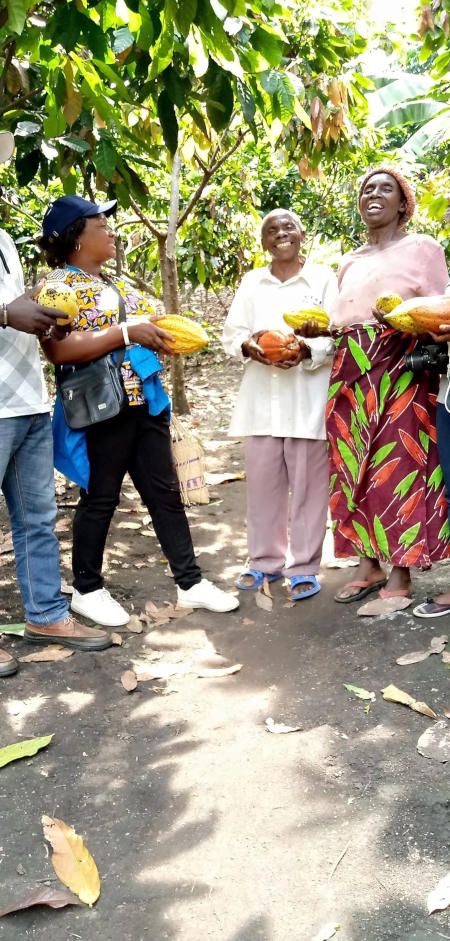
137,443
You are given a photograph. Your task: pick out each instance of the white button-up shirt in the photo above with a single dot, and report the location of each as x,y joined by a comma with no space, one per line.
282,403
22,385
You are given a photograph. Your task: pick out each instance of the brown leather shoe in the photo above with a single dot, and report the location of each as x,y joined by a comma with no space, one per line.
69,633
8,664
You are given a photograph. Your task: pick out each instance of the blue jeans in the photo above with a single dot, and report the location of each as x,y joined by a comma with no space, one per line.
26,478
443,441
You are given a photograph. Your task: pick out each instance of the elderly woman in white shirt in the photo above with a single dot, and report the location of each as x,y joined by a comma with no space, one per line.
281,413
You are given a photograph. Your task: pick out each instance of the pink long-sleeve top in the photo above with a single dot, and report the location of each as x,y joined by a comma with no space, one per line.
413,266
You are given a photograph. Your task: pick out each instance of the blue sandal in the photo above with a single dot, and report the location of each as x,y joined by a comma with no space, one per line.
258,579
303,580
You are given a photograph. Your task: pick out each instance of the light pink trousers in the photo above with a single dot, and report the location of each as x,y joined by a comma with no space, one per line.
277,467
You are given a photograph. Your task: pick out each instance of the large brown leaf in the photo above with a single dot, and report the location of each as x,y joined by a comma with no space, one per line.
54,897
72,860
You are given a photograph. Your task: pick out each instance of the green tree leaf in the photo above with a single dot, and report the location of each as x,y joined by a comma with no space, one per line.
163,50
410,535
123,39
169,123
185,11
404,485
348,457
381,537
105,158
23,749
17,14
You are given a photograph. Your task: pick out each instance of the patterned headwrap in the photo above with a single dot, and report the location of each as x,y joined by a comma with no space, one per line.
405,187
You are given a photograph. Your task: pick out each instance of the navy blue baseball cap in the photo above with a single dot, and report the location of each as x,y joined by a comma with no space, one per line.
68,209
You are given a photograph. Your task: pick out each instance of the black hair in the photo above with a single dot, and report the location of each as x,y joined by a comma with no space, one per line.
57,248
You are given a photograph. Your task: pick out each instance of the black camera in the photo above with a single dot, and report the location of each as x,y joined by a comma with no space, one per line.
434,357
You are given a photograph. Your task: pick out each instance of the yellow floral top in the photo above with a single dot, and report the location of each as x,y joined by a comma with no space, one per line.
99,308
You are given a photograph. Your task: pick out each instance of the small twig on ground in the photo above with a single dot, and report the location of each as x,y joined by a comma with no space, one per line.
338,862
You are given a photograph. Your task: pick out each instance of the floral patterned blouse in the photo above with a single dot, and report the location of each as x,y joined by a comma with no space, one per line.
99,308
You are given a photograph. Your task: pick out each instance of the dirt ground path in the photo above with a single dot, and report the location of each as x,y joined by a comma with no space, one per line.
204,825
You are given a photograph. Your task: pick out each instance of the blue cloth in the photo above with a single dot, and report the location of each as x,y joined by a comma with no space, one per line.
147,366
70,450
27,481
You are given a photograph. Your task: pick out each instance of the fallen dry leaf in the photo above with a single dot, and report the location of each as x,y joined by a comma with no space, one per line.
394,694
437,645
135,625
446,656
161,671
140,565
117,640
326,932
6,546
439,897
247,622
278,728
203,672
71,860
48,654
128,524
23,749
435,742
215,479
416,656
446,712
63,525
129,680
263,601
54,897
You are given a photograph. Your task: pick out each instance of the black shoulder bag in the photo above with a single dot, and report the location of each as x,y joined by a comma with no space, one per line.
92,392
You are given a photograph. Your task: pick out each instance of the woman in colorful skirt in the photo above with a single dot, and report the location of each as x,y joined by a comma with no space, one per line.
387,495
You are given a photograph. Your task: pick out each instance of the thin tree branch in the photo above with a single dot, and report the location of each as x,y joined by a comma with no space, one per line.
22,212
208,172
174,206
18,102
8,59
147,222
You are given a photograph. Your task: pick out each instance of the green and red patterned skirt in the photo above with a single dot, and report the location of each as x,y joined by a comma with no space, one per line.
387,492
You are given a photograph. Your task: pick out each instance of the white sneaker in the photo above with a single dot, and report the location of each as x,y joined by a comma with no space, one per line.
99,606
206,595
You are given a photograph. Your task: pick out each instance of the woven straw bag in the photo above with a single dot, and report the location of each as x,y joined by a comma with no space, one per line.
188,458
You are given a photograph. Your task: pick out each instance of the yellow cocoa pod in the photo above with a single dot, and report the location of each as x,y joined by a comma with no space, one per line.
402,322
298,318
188,336
428,313
387,302
60,297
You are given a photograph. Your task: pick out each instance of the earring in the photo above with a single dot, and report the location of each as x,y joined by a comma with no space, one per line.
77,247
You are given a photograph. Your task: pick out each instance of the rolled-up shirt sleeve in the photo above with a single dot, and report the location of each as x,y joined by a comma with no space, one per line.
322,348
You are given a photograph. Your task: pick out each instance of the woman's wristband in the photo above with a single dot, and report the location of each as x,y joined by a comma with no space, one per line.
124,329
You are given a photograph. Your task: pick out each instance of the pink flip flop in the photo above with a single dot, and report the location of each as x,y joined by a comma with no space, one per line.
366,589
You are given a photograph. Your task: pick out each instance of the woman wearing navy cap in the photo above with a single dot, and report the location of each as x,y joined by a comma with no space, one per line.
78,240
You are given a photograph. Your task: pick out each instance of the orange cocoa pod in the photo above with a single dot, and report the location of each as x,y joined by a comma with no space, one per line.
427,313
279,347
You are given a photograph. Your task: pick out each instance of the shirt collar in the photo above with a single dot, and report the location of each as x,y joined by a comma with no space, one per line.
304,275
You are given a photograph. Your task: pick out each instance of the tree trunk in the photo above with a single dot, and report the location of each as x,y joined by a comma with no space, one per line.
171,298
171,292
